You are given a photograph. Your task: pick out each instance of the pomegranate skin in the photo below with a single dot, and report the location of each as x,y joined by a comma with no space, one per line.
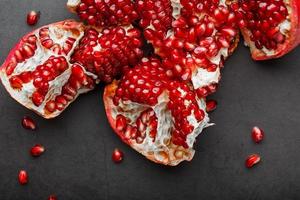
291,43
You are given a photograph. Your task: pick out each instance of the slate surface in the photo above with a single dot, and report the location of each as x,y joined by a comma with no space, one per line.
77,163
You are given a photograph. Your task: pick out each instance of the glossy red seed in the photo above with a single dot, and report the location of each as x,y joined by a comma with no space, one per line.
52,197
252,160
23,177
211,105
257,134
117,156
28,123
33,17
37,150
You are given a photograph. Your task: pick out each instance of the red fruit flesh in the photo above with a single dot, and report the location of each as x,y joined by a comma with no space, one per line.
37,150
193,38
252,160
270,28
157,116
103,12
117,156
51,66
28,123
257,134
23,177
33,17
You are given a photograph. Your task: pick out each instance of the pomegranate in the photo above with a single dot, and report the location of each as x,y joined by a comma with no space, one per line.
193,37
270,28
104,12
117,156
33,17
23,177
257,134
51,66
154,114
252,160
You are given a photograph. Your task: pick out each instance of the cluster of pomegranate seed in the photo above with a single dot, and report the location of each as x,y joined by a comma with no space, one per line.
263,18
33,17
257,136
109,52
103,12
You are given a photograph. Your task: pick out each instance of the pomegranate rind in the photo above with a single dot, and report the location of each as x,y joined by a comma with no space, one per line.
291,42
164,157
69,25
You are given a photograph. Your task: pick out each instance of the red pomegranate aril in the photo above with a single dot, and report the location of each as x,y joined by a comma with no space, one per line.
52,197
257,134
37,98
23,177
16,82
33,17
28,123
37,150
252,160
117,156
211,105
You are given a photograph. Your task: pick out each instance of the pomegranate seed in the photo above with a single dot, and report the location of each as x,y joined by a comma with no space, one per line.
33,17
23,177
257,134
211,105
117,156
52,197
252,160
37,150
28,123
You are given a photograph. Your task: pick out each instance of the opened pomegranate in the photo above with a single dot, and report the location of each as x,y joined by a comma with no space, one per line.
157,116
52,65
271,28
104,12
193,37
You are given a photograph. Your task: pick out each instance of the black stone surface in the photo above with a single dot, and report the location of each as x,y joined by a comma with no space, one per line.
77,163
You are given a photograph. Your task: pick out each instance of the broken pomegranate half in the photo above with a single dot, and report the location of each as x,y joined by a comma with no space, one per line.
270,28
51,66
193,37
157,116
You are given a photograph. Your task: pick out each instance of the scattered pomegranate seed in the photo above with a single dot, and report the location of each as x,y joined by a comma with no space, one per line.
211,105
252,160
23,177
52,197
257,134
28,123
117,156
33,17
37,150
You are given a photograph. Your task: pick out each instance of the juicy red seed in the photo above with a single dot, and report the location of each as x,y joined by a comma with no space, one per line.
52,197
37,150
23,177
257,134
33,17
37,98
28,123
117,156
211,105
252,160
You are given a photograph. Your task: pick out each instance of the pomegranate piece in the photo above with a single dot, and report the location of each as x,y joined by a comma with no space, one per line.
270,28
102,12
211,105
193,37
33,17
37,150
252,160
117,156
52,197
23,177
28,123
257,134
154,114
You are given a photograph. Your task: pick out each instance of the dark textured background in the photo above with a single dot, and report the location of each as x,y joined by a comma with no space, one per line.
77,163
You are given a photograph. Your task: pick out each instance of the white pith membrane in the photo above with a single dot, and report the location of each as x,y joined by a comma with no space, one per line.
201,77
284,28
58,33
